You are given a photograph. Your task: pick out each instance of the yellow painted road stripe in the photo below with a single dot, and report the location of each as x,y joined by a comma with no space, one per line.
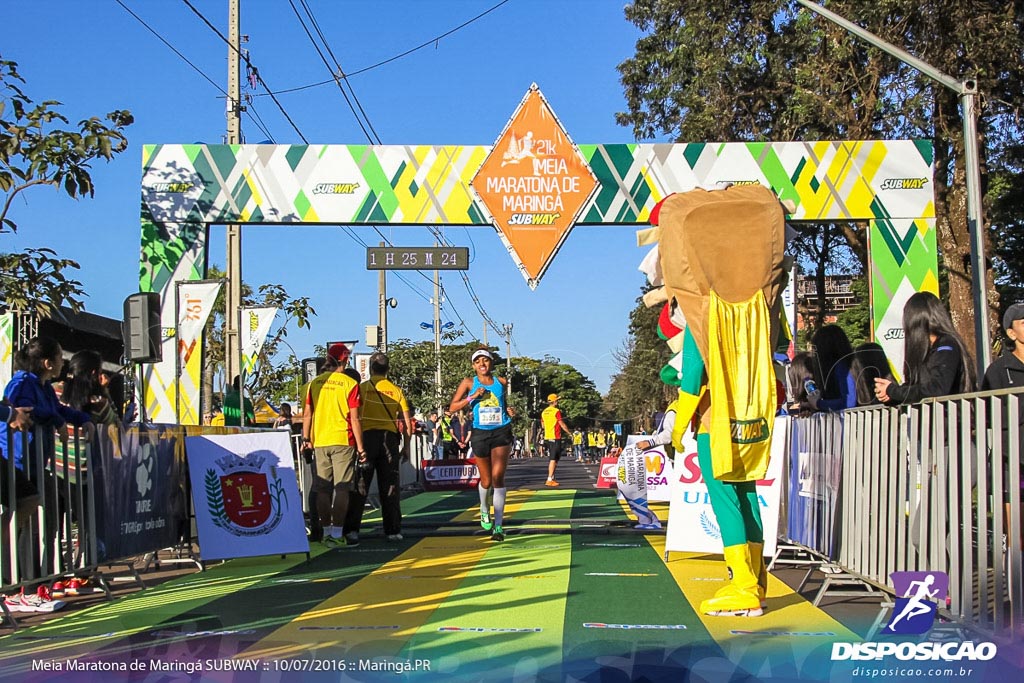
754,638
390,604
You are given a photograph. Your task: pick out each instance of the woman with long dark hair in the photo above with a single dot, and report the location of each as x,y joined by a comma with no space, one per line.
834,352
868,364
935,359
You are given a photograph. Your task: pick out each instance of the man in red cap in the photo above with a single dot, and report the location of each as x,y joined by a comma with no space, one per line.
554,428
330,425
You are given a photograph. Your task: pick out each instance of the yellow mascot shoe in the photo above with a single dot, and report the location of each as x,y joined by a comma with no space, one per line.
740,597
732,601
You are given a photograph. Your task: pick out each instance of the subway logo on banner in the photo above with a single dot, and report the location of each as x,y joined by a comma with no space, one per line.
533,218
179,188
904,183
336,188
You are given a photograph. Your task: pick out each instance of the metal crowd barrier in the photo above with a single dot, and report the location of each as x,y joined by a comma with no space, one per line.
50,535
934,486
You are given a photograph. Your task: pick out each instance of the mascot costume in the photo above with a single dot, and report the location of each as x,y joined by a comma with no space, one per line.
718,268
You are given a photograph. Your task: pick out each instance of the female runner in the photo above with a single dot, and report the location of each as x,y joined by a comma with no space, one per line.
492,434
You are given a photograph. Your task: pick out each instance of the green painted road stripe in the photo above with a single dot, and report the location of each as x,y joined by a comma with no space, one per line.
508,612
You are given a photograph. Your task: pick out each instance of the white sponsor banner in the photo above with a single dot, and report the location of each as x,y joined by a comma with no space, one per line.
245,495
195,304
6,349
693,526
632,482
659,470
361,362
254,328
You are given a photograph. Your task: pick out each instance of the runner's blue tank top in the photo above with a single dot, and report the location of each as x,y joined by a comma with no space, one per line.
489,409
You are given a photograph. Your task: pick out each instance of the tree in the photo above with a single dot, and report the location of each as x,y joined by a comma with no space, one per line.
785,74
273,382
636,392
35,151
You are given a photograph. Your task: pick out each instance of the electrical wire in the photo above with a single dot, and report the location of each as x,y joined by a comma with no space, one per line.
341,72
319,52
253,115
432,41
252,69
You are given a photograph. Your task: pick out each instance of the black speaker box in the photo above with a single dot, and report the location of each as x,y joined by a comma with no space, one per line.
141,328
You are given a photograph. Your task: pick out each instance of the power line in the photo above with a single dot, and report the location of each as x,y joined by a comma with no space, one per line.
312,40
253,71
341,71
254,116
432,41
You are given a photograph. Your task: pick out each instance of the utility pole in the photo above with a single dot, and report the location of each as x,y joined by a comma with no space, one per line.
382,287
508,356
233,258
437,336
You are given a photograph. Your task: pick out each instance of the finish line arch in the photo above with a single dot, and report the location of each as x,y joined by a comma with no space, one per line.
188,188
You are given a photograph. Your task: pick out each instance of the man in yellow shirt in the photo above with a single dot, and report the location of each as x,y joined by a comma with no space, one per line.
330,425
383,406
554,427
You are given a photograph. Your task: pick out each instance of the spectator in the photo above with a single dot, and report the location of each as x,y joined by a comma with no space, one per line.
935,363
330,425
834,353
803,384
86,391
383,404
286,419
40,362
662,434
25,494
462,431
869,362
1007,372
232,400
430,425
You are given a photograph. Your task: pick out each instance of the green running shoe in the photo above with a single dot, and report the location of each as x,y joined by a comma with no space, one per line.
498,534
485,520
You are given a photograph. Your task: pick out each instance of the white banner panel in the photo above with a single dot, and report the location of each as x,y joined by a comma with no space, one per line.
245,495
254,327
632,481
692,525
659,470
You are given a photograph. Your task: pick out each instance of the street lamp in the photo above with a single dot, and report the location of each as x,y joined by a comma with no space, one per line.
967,91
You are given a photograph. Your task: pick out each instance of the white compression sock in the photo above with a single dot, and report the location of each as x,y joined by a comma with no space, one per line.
483,497
499,505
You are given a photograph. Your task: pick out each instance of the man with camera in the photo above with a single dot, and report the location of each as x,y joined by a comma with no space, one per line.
383,406
330,425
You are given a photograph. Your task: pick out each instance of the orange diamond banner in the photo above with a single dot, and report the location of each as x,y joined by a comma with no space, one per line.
535,182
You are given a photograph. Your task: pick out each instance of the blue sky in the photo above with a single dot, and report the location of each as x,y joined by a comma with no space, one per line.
94,57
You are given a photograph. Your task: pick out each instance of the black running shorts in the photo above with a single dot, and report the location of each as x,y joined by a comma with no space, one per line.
485,440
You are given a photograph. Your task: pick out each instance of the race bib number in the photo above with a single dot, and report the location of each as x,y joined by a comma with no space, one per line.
490,416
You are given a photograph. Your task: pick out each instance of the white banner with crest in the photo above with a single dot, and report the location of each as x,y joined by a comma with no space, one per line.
246,495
